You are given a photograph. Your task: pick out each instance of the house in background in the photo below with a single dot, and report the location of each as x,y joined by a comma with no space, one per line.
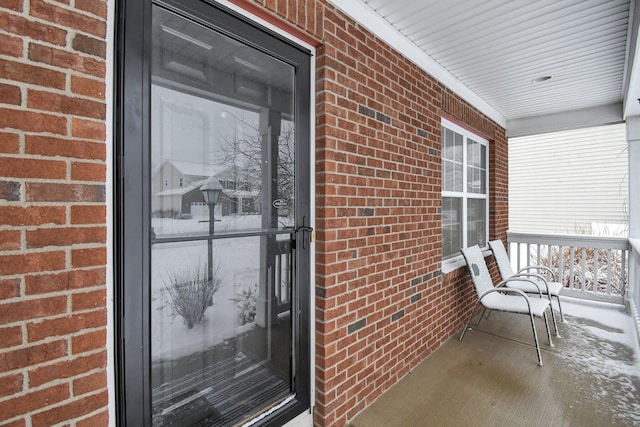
570,182
179,184
180,193
395,117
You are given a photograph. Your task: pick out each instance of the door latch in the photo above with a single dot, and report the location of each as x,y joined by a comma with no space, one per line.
308,232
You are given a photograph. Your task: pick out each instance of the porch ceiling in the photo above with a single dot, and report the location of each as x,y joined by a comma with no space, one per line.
499,49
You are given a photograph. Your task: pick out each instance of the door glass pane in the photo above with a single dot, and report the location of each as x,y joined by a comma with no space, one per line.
222,197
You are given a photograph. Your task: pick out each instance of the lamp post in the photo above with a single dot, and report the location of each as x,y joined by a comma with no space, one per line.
211,191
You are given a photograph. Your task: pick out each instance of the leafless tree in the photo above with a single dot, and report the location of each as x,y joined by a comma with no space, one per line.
241,156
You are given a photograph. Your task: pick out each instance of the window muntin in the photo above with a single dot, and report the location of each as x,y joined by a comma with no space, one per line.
465,204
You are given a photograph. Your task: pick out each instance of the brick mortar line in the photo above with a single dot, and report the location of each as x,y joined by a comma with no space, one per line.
24,250
71,400
64,70
28,204
51,384
85,417
66,181
69,357
50,226
26,14
24,134
49,295
24,296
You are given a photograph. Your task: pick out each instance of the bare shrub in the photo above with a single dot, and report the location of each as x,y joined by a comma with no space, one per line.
246,304
601,266
191,292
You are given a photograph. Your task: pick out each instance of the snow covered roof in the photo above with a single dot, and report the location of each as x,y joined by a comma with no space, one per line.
180,191
187,168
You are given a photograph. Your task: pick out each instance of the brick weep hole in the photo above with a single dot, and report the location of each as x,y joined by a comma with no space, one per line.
382,303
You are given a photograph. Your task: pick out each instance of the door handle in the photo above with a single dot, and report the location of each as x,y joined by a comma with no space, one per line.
311,233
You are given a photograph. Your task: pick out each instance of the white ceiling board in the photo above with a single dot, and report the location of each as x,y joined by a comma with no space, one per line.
496,48
632,69
385,31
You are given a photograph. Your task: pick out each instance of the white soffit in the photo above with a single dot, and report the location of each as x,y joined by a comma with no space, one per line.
632,98
366,17
495,50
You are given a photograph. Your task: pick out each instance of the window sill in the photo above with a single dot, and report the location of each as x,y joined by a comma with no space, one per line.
452,264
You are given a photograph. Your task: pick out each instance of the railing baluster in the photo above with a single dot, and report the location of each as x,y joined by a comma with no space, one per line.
289,271
518,246
584,268
278,278
623,277
550,260
560,263
609,252
571,266
596,281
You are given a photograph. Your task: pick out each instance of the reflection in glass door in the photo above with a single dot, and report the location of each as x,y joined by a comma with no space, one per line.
222,225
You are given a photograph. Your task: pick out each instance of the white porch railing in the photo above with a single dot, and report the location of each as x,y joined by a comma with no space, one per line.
633,289
591,267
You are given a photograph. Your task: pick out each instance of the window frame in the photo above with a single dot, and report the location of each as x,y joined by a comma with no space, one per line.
465,195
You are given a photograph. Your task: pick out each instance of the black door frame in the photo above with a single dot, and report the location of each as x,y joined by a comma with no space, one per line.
133,187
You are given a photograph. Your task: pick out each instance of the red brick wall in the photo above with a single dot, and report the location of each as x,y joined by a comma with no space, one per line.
382,303
52,212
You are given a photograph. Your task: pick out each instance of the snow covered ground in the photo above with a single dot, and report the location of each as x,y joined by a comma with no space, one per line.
238,261
601,343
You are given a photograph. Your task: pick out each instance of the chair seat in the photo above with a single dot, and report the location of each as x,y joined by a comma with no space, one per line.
515,303
526,286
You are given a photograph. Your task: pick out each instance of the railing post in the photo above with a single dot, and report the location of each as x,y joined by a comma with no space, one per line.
632,294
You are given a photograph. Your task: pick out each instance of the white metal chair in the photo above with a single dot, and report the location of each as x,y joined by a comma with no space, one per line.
536,283
502,298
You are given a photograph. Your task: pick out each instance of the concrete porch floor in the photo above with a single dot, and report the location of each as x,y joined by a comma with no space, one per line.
591,377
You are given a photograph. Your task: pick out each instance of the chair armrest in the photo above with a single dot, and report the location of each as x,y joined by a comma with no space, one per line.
509,290
537,276
539,267
522,279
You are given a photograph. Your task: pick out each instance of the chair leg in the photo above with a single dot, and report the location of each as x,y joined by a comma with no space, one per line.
546,324
553,317
535,338
464,331
482,315
560,308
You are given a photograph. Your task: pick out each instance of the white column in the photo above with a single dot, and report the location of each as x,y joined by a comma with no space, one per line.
633,289
633,148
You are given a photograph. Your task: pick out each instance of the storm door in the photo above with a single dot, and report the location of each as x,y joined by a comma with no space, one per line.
219,301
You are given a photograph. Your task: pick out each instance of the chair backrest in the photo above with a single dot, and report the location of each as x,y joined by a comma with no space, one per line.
502,259
478,269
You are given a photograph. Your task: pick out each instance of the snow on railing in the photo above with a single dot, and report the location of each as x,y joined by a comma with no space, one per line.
590,267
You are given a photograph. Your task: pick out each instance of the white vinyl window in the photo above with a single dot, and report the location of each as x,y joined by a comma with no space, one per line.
465,195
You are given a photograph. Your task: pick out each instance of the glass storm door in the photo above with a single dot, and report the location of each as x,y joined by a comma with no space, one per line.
224,301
